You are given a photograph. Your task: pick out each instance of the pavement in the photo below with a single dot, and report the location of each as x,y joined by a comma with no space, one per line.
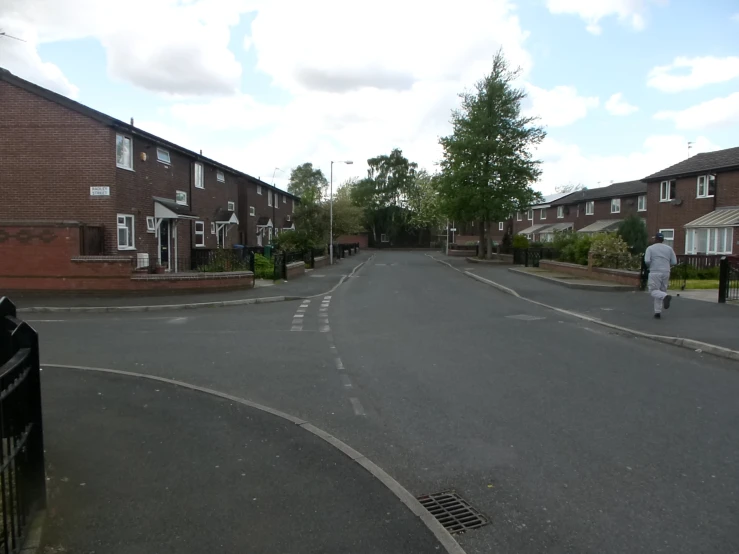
312,283
569,437
687,318
141,467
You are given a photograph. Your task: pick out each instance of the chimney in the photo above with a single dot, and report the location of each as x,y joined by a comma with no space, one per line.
201,151
132,122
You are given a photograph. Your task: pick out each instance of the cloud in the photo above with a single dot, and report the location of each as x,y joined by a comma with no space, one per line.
702,71
335,81
630,12
567,163
178,48
735,17
617,105
559,106
719,112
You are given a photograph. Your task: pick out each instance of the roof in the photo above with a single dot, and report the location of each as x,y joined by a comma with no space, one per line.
616,190
724,217
548,199
708,161
534,228
179,209
287,222
105,119
264,222
558,227
601,226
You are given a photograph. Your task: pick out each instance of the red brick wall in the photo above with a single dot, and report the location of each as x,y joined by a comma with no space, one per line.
44,250
630,278
295,270
362,240
666,215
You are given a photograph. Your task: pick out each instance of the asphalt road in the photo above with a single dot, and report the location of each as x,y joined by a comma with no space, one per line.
570,438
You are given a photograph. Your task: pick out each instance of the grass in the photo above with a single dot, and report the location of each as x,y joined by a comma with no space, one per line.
701,284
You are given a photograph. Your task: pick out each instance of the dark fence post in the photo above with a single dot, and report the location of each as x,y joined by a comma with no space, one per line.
723,280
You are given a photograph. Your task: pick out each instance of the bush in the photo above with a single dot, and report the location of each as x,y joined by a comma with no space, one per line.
610,250
520,241
572,247
264,268
634,233
294,241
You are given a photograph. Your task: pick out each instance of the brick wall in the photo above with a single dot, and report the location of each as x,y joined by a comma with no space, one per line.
295,270
630,278
361,239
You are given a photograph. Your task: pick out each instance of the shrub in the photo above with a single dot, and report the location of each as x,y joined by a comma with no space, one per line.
634,233
572,247
294,241
264,268
520,241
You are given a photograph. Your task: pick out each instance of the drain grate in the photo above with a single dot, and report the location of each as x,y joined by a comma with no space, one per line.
453,511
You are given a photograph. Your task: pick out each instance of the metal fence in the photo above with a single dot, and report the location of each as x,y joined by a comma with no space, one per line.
728,284
22,476
694,266
530,257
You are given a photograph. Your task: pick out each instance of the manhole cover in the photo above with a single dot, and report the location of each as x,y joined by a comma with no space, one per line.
524,317
453,511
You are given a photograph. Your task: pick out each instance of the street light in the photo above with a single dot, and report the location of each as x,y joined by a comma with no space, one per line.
331,210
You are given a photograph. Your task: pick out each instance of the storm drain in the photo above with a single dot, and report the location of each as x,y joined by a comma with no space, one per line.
453,511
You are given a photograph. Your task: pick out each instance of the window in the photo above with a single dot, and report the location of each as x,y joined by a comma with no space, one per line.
220,177
259,189
277,200
284,199
530,215
212,228
590,207
615,205
293,210
501,226
667,191
288,218
151,225
642,203
560,212
543,214
269,198
706,186
163,156
125,232
519,216
231,206
123,152
199,176
716,240
669,236
383,238
252,211
199,233
181,197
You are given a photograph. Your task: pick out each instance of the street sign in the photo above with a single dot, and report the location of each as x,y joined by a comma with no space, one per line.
453,229
99,191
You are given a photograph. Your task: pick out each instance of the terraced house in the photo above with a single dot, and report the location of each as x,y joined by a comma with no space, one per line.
88,199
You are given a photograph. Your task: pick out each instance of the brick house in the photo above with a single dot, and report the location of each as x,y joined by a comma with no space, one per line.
695,203
540,217
76,182
264,212
469,231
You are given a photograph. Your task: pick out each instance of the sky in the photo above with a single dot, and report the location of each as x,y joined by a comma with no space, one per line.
621,86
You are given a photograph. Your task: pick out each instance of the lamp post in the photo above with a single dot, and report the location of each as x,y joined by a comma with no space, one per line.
331,211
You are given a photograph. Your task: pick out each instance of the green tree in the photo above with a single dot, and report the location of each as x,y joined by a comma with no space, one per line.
634,232
569,188
307,183
487,167
424,203
348,218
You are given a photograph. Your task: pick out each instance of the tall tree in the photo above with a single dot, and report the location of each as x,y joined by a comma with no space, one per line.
347,216
487,167
308,183
424,203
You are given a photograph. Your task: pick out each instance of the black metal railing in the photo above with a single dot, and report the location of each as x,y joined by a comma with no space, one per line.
22,473
694,266
728,284
530,257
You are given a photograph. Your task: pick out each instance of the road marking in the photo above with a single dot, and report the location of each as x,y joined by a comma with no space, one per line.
297,328
339,364
327,297
178,320
345,380
298,316
357,405
325,329
525,317
301,310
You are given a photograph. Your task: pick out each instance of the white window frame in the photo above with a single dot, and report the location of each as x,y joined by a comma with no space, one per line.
288,218
284,199
703,181
615,203
590,207
712,240
151,224
529,215
231,206
383,238
212,228
198,175
519,216
543,213
667,189
277,200
671,240
293,210
560,212
252,211
178,197
269,198
259,189
641,203
220,176
163,156
199,234
130,243
130,151
501,226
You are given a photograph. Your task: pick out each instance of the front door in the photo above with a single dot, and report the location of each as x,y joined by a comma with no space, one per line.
164,242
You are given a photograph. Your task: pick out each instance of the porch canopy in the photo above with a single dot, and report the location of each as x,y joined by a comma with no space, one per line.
601,226
724,217
558,228
224,217
534,229
169,209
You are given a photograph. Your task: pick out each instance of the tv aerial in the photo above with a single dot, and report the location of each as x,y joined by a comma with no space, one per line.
6,35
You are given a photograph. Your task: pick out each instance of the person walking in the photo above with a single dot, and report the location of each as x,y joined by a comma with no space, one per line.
659,258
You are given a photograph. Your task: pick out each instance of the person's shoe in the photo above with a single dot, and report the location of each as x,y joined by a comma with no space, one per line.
657,316
666,302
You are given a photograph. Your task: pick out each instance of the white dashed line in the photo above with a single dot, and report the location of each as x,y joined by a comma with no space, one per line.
298,316
325,329
357,405
339,364
345,381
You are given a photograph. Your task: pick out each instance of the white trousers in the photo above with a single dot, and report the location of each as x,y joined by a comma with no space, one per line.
657,286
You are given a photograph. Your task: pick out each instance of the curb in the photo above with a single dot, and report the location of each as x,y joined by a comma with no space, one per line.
32,543
695,345
411,502
581,286
189,306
